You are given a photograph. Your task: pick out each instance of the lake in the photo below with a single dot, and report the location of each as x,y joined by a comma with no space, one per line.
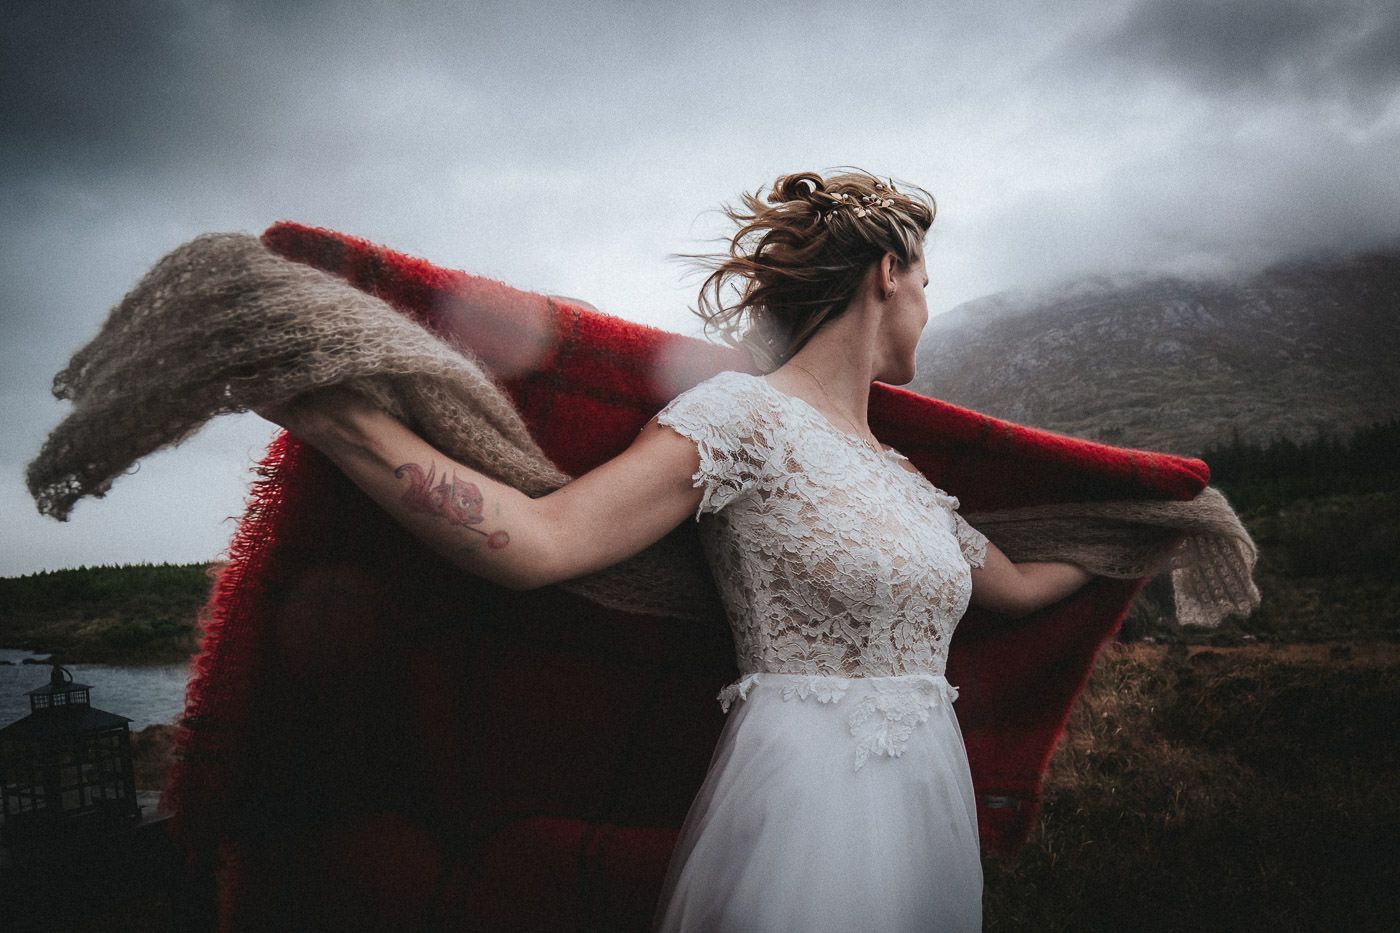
146,694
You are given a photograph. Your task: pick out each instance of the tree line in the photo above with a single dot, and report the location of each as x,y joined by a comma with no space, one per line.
1270,475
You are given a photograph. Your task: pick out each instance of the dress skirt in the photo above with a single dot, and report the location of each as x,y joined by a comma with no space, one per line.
831,804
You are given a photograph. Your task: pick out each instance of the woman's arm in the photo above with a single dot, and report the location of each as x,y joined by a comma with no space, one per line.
488,527
1020,589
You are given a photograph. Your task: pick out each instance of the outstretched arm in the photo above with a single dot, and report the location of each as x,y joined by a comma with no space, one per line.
488,527
1020,589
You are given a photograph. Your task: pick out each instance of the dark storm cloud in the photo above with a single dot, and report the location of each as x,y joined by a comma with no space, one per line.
120,88
1346,48
1374,60
75,80
111,88
1207,136
99,86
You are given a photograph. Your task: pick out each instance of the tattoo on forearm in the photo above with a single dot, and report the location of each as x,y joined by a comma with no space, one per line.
455,499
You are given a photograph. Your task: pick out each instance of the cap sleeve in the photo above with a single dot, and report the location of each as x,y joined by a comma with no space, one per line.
724,417
972,542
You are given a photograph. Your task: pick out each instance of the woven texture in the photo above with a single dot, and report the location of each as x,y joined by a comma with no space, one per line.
358,702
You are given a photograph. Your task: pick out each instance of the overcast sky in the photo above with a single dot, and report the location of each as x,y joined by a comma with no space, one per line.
569,147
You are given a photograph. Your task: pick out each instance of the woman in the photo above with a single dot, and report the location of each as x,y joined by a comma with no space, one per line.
839,795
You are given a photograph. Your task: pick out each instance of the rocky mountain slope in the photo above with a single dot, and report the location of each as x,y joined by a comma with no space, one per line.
1178,364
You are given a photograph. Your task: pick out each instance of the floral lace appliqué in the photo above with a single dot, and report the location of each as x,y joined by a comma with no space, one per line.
824,689
734,441
833,560
882,722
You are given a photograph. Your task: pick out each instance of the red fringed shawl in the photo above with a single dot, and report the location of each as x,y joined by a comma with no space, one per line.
376,738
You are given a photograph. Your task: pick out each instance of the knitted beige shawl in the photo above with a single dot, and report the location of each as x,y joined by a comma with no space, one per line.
222,324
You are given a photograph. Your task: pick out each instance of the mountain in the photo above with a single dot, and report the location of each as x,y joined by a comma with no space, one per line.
1178,364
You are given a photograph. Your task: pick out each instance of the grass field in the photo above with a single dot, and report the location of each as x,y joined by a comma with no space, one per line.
1253,788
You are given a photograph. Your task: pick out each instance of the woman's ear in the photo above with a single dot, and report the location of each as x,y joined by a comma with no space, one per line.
889,265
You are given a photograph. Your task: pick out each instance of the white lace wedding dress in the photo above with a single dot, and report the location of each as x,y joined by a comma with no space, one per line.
839,796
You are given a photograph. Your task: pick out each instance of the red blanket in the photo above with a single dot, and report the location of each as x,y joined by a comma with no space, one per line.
375,738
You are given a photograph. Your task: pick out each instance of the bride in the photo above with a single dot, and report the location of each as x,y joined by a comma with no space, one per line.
838,796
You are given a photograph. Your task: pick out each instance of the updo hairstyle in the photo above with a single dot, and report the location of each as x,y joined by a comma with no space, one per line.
797,260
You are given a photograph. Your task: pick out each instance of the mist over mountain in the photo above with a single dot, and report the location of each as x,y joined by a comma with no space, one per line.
1177,364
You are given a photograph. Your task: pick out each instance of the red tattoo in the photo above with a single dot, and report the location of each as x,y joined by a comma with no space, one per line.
456,500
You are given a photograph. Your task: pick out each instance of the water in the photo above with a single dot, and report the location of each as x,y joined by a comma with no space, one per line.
146,694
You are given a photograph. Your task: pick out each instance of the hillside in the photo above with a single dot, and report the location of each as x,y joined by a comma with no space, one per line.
126,614
1176,364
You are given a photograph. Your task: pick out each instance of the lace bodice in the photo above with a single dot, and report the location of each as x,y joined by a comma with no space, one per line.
832,560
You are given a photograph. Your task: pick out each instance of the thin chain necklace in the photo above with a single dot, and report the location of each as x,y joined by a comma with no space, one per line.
877,449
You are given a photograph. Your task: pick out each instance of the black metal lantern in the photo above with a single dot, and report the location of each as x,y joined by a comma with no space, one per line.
65,769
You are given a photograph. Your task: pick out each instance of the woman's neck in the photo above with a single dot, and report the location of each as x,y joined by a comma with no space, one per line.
832,372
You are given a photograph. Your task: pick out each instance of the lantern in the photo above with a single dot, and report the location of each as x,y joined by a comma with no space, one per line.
65,769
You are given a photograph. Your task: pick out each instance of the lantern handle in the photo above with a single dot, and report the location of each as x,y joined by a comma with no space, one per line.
59,675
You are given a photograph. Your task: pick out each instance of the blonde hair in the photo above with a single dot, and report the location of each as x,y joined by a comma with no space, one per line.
797,260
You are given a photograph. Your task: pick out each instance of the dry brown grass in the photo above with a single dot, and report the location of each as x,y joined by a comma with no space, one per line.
1242,788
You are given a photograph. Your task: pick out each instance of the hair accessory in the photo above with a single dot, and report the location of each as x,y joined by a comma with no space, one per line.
868,202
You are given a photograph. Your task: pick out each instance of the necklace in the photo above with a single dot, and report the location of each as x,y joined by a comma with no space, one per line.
876,448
